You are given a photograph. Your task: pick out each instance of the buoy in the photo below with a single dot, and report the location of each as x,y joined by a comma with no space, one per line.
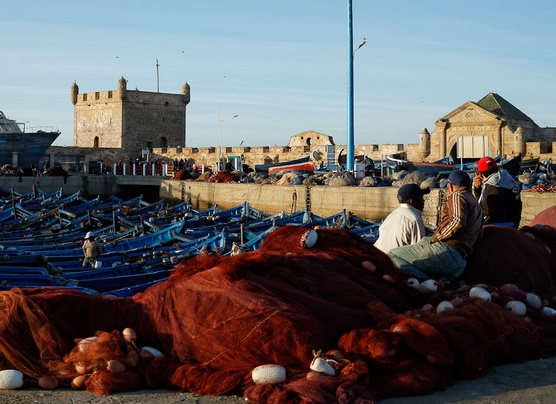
322,366
480,293
11,379
549,311
533,301
430,284
309,239
48,382
270,373
85,343
443,306
155,352
516,307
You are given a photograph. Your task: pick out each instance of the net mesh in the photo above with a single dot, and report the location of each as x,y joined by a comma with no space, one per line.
216,318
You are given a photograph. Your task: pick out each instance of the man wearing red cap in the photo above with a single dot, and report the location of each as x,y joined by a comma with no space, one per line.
443,256
498,193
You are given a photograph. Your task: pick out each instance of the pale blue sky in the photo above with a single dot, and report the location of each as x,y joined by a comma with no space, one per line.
282,65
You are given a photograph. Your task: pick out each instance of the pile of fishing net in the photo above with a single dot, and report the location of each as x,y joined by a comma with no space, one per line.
224,176
182,174
330,314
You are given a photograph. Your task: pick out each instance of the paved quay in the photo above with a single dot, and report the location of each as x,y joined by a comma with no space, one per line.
529,382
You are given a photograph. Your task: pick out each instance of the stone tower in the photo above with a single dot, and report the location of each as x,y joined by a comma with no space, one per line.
132,120
519,142
424,143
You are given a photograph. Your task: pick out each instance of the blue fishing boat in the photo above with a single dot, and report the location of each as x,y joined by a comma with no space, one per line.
141,242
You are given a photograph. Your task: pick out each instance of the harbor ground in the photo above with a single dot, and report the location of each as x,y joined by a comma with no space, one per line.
529,382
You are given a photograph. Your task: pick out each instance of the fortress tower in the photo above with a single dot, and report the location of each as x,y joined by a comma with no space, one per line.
132,120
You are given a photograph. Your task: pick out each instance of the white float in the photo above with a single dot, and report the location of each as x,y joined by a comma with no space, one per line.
322,366
270,373
516,307
443,306
11,379
533,300
480,293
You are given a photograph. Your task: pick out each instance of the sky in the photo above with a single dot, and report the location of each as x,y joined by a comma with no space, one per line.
263,71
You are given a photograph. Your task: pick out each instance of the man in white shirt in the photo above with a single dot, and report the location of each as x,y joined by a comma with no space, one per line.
404,225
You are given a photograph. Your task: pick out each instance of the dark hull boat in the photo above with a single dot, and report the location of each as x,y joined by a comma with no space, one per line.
29,146
264,168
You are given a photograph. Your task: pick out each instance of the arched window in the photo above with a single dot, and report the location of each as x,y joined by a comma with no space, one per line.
96,142
308,141
163,142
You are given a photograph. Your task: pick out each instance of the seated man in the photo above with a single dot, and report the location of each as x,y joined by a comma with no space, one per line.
497,192
443,256
404,225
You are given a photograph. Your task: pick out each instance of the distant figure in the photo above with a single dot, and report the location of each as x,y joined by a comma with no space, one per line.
91,250
369,167
229,167
498,193
404,225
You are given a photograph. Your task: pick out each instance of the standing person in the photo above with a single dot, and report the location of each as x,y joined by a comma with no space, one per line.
443,256
498,193
404,225
91,250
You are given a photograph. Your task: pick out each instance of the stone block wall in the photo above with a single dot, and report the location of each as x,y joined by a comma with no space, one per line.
373,204
270,154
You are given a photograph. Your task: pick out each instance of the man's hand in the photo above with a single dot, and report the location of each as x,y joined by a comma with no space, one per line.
477,180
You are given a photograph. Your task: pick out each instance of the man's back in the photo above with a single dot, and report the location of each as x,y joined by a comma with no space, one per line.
401,227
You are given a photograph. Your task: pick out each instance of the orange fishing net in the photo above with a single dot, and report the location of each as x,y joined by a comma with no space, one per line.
291,303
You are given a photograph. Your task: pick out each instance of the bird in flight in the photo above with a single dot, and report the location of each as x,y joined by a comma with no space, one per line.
363,42
235,116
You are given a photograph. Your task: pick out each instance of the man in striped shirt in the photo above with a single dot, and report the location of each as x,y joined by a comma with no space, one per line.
443,256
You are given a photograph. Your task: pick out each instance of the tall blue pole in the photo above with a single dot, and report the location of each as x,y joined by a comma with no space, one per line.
350,140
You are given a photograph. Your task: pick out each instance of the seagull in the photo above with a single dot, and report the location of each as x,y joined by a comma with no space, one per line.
363,42
235,116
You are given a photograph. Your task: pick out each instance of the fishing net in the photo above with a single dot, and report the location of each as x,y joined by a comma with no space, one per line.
547,217
506,255
182,174
330,303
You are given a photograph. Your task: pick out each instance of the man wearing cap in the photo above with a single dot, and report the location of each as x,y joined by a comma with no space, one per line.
498,193
91,249
443,256
404,225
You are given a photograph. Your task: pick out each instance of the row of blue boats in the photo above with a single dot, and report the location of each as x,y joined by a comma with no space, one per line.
41,236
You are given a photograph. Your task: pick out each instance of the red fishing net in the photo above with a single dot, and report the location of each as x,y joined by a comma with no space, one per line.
339,303
546,217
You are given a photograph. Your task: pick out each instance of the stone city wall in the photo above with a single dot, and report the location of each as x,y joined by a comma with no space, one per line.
370,203
252,156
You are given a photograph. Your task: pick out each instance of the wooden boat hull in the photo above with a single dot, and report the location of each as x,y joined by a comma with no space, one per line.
264,168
